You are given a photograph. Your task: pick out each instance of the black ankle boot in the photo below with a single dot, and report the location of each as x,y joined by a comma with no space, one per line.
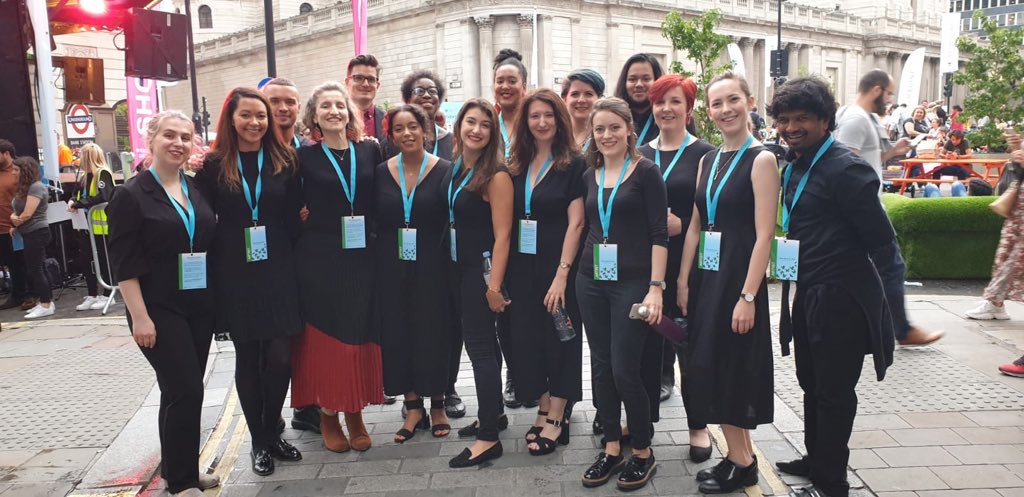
730,478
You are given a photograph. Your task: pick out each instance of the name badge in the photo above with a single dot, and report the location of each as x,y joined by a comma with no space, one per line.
785,259
710,252
18,242
192,271
407,244
353,232
256,243
527,236
606,262
451,235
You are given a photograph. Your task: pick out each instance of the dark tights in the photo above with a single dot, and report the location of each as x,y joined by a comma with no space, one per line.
262,373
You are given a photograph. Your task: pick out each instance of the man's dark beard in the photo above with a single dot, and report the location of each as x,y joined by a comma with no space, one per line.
879,107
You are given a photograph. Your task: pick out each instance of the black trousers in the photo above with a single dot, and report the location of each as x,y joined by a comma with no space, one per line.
263,369
15,263
480,337
35,259
179,360
618,349
84,262
830,340
670,354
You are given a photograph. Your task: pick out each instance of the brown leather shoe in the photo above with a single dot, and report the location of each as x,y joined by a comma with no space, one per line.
334,438
28,304
361,440
917,336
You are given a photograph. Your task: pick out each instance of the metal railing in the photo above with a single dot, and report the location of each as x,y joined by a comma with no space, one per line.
100,221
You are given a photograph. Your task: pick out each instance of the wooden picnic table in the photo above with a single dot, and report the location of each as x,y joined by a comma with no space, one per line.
990,165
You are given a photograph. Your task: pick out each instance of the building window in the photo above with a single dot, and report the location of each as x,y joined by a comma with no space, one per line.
205,17
305,8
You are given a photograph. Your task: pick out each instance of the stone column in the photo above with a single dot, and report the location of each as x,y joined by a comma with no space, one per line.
756,74
545,60
526,39
485,32
577,52
896,67
794,59
614,60
747,48
880,60
805,58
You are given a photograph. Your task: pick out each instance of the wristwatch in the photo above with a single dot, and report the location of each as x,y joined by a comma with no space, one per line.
659,284
748,297
564,265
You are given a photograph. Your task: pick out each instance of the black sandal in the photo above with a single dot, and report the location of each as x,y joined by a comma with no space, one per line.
423,424
535,430
439,430
473,429
546,445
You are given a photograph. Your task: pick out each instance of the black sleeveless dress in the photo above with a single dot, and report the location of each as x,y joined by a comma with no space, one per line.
730,376
412,304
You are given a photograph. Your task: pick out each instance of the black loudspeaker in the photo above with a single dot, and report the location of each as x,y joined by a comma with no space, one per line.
83,80
779,63
155,45
17,121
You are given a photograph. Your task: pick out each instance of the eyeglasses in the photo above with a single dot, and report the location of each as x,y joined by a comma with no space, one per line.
360,79
419,91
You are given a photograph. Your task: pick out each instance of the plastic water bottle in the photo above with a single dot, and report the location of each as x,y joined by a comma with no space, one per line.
487,274
563,325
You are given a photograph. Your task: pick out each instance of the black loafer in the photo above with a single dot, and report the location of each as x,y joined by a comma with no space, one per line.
284,451
598,427
453,406
473,429
810,491
730,478
262,463
280,425
700,454
602,469
668,382
509,395
638,472
795,467
390,399
465,459
531,404
709,473
306,419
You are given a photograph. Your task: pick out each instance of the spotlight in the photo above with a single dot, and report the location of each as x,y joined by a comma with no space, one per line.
96,7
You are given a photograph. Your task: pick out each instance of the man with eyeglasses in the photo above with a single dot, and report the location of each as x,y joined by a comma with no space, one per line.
362,81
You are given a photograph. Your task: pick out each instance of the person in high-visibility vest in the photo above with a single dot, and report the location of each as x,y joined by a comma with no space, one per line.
94,186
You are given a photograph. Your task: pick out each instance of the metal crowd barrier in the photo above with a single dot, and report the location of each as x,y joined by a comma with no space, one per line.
100,221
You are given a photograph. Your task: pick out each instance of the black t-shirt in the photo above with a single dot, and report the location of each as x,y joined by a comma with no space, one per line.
960,149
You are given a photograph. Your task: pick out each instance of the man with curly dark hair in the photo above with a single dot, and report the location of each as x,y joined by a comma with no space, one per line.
832,216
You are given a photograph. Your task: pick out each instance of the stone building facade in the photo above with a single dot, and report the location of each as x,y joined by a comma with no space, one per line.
459,38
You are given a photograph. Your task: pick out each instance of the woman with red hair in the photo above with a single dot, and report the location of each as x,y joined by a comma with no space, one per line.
677,153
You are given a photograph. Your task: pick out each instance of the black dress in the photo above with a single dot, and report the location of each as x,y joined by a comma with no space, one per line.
257,300
337,361
730,375
543,363
412,296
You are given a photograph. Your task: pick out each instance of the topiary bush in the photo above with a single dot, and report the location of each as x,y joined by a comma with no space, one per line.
945,238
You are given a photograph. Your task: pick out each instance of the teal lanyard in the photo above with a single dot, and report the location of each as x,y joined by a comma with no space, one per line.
671,165
407,199
437,137
530,182
190,218
253,206
451,198
296,142
713,201
647,127
606,215
350,194
586,146
786,211
504,135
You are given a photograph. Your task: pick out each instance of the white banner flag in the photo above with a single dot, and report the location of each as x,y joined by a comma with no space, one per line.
910,81
736,56
949,55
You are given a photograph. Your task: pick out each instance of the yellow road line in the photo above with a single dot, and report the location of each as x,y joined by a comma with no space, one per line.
763,466
227,460
209,452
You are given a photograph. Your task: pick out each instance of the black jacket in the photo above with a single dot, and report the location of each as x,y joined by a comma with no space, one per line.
105,190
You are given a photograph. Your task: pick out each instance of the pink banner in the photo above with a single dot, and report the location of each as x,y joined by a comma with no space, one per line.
142,106
359,25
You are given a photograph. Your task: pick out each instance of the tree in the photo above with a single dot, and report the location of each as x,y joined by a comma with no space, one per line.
994,77
697,37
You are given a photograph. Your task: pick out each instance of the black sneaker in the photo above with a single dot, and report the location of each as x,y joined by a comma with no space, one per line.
602,469
638,472
509,396
453,405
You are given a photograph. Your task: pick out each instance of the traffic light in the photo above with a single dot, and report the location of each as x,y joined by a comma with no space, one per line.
948,88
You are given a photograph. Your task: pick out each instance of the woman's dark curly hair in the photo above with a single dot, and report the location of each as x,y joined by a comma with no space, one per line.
417,75
810,94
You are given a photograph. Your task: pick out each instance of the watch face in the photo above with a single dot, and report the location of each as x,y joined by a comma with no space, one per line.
749,297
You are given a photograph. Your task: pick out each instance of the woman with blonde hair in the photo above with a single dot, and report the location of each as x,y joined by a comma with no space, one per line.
337,360
94,185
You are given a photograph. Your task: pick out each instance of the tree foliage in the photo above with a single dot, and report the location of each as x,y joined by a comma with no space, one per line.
994,77
704,46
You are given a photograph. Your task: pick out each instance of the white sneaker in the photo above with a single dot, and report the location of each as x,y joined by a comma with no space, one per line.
988,310
99,303
41,312
86,304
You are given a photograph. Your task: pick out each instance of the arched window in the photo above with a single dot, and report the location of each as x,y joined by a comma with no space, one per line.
305,8
205,17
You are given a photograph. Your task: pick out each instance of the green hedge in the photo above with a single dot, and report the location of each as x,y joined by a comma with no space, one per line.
945,238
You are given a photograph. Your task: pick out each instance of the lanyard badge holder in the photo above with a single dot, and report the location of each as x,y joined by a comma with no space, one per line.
451,204
191,266
504,136
255,236
353,227
784,262
606,255
709,254
407,235
528,227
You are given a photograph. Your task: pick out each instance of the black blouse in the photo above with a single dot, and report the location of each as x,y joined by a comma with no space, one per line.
639,220
322,191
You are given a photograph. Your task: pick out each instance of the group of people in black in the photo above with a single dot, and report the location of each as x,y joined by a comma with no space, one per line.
358,262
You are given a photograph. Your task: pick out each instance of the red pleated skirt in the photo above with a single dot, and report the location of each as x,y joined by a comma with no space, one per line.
335,375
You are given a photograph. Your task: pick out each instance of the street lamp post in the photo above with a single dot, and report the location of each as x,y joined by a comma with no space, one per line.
268,23
197,120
